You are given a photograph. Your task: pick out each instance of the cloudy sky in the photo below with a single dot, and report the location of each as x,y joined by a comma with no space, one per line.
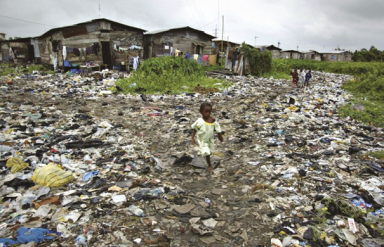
307,24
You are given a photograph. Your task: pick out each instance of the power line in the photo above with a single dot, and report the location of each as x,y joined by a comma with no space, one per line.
26,21
198,13
208,24
191,12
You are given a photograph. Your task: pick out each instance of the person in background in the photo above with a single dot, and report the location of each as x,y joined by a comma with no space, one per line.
301,77
187,55
294,77
308,76
177,52
204,128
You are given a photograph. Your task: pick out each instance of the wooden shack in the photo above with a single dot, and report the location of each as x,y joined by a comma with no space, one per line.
184,39
17,51
102,41
222,45
335,56
291,54
275,51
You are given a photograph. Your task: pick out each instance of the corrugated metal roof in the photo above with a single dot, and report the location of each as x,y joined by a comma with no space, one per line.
100,19
267,46
328,52
170,29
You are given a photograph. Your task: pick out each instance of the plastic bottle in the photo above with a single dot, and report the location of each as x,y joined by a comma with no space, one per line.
136,210
156,193
81,241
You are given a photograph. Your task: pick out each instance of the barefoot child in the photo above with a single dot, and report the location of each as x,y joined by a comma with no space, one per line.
205,128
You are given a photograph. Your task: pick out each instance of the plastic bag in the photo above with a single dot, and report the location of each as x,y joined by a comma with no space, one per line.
16,164
52,176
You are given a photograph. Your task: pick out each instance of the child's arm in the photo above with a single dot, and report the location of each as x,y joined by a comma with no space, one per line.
220,137
193,137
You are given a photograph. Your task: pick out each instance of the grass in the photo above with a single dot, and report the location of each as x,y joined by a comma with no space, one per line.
378,154
11,72
170,75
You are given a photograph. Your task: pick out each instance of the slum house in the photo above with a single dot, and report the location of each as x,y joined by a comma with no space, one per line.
184,39
19,51
290,54
310,55
223,44
335,56
103,42
276,51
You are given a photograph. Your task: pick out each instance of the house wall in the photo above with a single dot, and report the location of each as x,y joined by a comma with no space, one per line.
185,40
339,57
22,52
85,35
290,55
275,53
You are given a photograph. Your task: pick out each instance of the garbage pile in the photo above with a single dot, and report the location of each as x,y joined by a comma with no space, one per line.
82,166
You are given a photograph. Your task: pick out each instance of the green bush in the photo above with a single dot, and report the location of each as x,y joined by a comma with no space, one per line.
260,63
170,75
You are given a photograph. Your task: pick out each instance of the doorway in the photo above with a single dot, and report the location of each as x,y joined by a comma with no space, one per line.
31,53
106,50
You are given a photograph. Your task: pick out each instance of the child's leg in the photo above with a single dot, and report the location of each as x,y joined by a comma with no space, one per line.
208,158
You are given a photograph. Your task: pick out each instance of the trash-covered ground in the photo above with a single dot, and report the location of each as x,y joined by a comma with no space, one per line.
82,166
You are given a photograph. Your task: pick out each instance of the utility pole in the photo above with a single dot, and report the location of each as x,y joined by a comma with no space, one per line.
222,36
278,44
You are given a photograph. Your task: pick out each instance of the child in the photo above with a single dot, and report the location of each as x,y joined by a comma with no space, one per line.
294,78
301,77
308,76
205,128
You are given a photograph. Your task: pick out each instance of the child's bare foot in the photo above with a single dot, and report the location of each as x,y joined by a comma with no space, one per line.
210,169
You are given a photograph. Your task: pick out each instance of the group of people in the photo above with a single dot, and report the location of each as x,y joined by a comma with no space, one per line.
301,78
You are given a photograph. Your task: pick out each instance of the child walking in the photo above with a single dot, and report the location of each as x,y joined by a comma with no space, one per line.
308,76
204,128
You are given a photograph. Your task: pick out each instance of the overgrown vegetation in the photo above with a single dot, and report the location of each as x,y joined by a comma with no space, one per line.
170,75
371,55
6,70
367,87
260,62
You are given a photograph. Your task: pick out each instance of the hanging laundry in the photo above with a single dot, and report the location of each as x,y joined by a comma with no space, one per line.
83,53
89,50
70,50
132,47
96,47
36,49
205,57
212,59
135,62
195,56
76,51
54,60
200,59
64,52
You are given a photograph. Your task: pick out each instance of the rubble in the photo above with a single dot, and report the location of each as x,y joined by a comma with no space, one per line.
122,171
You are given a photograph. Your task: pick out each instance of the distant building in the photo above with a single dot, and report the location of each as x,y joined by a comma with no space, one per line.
276,51
334,56
291,54
184,39
310,55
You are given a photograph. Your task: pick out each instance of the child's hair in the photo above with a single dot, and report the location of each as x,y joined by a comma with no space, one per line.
205,104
